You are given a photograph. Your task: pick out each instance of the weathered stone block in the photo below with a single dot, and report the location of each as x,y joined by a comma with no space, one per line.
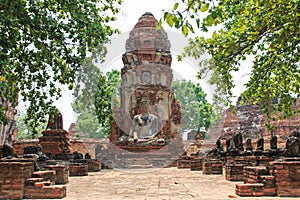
78,170
45,192
13,174
212,167
254,189
196,165
45,175
183,164
61,173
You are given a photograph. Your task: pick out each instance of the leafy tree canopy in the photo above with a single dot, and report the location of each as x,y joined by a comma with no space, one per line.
26,132
265,29
42,45
196,111
89,80
107,98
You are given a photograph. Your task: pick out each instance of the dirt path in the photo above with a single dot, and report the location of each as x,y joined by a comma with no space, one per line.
154,184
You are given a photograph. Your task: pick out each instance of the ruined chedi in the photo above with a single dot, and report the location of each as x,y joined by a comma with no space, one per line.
146,77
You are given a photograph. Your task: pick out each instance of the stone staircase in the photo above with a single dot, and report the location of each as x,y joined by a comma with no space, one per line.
145,160
138,157
137,163
18,180
42,186
257,182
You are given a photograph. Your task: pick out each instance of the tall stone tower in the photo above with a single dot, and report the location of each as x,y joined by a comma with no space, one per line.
147,74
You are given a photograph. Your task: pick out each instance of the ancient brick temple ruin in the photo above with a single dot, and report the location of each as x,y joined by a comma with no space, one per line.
40,169
55,140
147,74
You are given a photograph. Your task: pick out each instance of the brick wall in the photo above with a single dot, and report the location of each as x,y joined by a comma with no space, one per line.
13,174
20,144
287,176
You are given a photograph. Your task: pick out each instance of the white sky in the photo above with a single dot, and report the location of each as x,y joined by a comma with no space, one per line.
131,11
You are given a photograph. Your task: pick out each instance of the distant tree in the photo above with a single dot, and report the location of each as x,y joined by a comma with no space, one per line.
84,104
86,91
264,29
196,110
42,46
26,132
107,97
88,125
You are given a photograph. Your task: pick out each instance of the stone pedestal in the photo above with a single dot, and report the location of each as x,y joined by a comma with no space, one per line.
184,163
94,165
55,141
252,174
249,189
287,175
139,157
197,164
234,172
62,173
212,166
77,169
13,174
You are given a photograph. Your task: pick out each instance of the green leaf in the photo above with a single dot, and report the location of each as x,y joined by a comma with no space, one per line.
198,23
204,8
166,14
209,20
175,6
159,25
170,20
258,23
179,57
184,30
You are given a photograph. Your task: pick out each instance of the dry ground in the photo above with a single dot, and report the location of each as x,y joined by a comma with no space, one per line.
152,184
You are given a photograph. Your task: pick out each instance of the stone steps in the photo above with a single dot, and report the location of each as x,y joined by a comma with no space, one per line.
249,189
137,162
34,181
45,192
269,185
47,175
139,166
42,186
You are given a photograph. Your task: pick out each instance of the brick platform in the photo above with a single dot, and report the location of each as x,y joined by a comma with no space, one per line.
61,171
282,179
249,189
54,141
77,169
196,164
45,175
269,185
253,174
287,175
45,192
12,178
183,164
234,172
18,180
212,167
94,165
